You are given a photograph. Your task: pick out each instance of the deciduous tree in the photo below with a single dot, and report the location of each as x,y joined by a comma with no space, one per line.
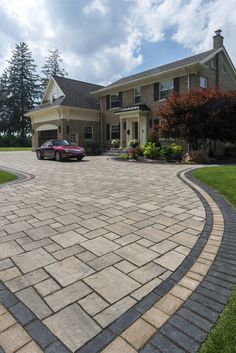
200,116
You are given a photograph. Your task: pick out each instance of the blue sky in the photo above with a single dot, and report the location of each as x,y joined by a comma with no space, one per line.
103,40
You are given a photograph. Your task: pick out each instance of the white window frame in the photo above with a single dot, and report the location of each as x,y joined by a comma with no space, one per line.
90,127
213,63
203,82
224,69
137,94
114,100
112,138
166,88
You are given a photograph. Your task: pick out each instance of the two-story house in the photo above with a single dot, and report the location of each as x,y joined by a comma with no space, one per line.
127,108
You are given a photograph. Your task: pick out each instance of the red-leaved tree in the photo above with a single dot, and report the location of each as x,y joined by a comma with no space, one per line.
200,116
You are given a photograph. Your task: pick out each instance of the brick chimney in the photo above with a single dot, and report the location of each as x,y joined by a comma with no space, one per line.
218,39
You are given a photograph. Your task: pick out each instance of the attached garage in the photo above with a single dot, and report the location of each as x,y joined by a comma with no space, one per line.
46,132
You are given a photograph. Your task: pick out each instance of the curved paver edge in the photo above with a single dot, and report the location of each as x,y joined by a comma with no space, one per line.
21,176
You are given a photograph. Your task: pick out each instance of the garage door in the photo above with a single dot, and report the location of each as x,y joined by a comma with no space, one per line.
46,135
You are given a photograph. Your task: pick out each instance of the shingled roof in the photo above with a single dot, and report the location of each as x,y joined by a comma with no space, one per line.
160,69
77,94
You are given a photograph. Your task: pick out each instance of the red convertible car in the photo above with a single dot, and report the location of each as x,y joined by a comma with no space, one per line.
60,149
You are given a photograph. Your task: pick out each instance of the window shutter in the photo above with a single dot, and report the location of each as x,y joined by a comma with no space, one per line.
156,87
108,132
176,84
108,102
120,99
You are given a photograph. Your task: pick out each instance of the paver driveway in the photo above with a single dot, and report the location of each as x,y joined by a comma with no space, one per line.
82,242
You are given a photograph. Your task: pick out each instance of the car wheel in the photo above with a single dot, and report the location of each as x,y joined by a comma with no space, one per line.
57,156
80,158
39,155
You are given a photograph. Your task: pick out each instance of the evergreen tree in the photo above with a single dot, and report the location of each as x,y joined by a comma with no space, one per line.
53,66
5,127
23,88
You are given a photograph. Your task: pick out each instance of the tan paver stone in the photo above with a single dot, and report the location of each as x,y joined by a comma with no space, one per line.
183,250
14,338
138,333
33,301
68,239
146,288
33,259
111,284
67,295
189,283
147,272
207,255
9,273
93,304
169,304
153,234
148,206
46,287
6,263
52,248
114,311
17,227
42,216
136,254
125,266
30,348
104,261
174,209
200,268
164,246
100,246
92,224
121,228
195,276
145,242
170,260
181,292
69,270
155,317
27,280
36,244
86,256
166,221
127,239
67,252
73,326
185,239
41,232
3,310
119,346
9,249
6,321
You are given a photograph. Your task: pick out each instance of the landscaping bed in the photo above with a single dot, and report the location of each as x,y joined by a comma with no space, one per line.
6,176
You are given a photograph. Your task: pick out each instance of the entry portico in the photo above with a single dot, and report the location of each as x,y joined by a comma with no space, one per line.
133,123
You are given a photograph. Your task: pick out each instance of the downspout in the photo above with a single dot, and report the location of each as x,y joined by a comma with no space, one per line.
188,92
101,120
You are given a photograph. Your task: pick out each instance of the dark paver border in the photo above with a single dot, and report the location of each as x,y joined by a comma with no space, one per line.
188,328
20,176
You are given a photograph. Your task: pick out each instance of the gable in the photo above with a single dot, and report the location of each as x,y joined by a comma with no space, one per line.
52,92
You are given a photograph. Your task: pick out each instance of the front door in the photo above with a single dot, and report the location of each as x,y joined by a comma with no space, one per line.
135,131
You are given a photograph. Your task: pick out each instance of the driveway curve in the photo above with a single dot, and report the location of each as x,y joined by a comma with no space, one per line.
83,242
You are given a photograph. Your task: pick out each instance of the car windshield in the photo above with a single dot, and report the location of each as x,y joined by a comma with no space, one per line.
60,143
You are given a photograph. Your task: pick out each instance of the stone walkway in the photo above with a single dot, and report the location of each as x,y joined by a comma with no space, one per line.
88,249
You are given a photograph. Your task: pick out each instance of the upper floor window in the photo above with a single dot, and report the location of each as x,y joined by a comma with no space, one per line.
224,69
114,102
166,88
88,133
203,82
137,95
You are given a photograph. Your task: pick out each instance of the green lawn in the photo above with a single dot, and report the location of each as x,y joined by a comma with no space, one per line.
221,179
222,338
9,149
5,176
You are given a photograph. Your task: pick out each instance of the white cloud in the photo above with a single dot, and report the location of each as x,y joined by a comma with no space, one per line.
102,39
